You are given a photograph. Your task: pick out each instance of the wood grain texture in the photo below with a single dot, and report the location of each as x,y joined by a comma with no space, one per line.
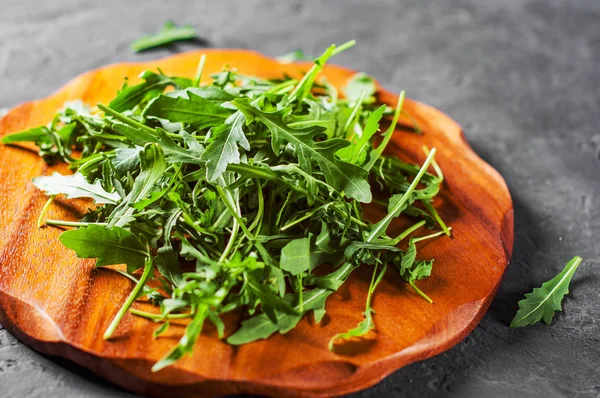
60,305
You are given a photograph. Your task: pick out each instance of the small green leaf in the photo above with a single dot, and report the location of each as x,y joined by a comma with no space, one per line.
357,152
224,149
366,324
161,329
358,84
193,110
260,326
110,246
131,96
169,33
544,301
293,56
126,160
137,136
295,256
175,153
187,341
36,134
167,262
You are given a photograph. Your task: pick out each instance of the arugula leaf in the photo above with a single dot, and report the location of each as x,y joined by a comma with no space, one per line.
109,245
210,93
137,136
186,343
224,149
38,135
75,186
269,300
193,110
169,33
161,329
126,159
411,270
544,301
152,167
261,326
131,96
177,154
167,263
357,152
295,256
359,84
366,324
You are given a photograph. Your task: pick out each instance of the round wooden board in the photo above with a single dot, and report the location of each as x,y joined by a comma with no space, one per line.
60,305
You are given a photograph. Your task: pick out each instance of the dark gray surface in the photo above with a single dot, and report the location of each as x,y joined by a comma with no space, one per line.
521,77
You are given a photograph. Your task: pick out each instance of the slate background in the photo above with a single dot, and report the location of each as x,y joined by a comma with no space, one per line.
521,77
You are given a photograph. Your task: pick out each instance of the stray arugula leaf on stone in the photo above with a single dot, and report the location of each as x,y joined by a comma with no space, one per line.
543,302
237,192
169,33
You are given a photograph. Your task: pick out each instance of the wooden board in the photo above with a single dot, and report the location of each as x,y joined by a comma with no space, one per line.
60,305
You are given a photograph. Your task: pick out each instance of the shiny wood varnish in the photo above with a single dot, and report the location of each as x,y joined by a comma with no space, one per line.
60,305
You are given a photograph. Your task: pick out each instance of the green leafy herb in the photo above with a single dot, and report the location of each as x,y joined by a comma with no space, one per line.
75,186
108,245
170,33
544,301
293,56
239,194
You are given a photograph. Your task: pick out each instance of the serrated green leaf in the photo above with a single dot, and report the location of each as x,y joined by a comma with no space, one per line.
126,159
193,110
544,301
75,186
36,134
224,149
187,341
137,136
110,246
152,168
175,153
152,85
357,152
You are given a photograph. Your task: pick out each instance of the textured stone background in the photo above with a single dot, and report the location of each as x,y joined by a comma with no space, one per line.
521,76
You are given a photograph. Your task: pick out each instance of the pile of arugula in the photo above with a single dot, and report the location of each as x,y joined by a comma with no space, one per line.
236,192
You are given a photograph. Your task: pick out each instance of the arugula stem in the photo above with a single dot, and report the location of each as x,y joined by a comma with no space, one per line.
343,47
73,223
158,317
436,216
435,235
300,294
125,119
132,296
435,165
40,221
308,214
388,134
420,292
407,232
382,225
199,71
353,116
232,237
